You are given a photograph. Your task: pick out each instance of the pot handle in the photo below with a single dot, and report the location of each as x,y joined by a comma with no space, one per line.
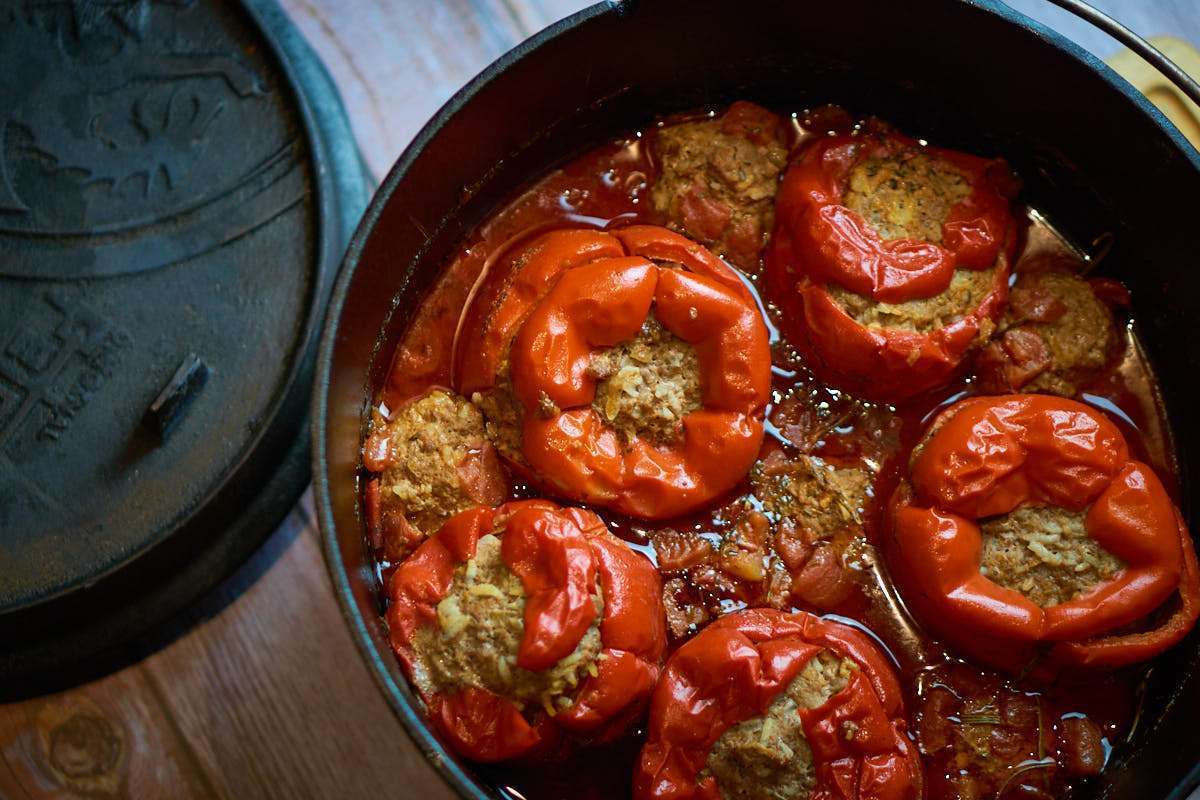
1136,43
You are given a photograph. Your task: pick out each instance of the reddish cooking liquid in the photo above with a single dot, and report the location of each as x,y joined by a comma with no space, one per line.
981,735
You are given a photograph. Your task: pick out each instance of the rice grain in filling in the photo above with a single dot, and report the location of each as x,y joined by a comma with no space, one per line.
1078,335
909,197
718,187
645,387
967,290
503,416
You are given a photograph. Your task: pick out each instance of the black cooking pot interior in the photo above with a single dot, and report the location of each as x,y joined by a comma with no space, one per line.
1094,156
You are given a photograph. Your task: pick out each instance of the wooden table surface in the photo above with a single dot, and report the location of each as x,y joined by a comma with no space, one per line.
263,693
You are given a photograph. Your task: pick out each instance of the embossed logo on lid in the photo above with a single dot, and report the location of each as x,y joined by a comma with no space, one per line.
122,126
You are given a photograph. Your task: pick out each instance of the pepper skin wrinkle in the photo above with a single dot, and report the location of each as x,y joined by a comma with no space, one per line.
565,565
573,295
989,456
824,255
733,672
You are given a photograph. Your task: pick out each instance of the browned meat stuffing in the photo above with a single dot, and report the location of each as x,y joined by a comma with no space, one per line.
906,196
1056,334
909,196
718,179
645,387
648,385
479,630
1045,554
967,289
434,460
768,757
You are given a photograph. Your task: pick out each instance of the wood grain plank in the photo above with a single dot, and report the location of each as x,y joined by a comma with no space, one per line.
266,696
10,786
537,14
110,738
397,62
273,695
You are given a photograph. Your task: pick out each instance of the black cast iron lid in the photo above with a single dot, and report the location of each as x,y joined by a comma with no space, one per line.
176,181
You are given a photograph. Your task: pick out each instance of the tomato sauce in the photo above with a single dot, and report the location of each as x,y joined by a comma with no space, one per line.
981,735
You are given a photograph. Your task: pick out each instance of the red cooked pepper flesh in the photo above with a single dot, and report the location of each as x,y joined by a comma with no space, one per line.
988,456
574,293
732,671
818,241
559,555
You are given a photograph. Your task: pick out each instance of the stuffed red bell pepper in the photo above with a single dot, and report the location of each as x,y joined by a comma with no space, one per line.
890,259
628,369
1026,527
767,704
523,623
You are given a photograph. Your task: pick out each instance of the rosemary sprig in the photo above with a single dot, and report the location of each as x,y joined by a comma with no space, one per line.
979,718
1021,769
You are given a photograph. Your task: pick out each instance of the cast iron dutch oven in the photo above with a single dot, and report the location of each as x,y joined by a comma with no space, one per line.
970,74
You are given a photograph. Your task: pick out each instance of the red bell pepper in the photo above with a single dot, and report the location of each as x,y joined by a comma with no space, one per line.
818,241
577,292
988,456
559,555
732,671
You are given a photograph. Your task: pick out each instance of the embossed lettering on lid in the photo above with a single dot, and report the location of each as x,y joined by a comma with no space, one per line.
124,143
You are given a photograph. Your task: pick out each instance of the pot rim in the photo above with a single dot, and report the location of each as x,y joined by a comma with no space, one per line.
412,717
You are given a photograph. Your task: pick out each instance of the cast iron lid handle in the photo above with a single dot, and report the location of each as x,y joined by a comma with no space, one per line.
1136,43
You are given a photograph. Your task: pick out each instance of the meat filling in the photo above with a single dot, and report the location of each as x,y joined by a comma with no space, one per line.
967,289
437,461
648,385
645,387
905,197
479,630
718,180
1055,335
909,197
1045,554
768,757
503,414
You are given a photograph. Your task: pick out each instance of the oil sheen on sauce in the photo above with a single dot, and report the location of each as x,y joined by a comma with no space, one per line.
980,735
